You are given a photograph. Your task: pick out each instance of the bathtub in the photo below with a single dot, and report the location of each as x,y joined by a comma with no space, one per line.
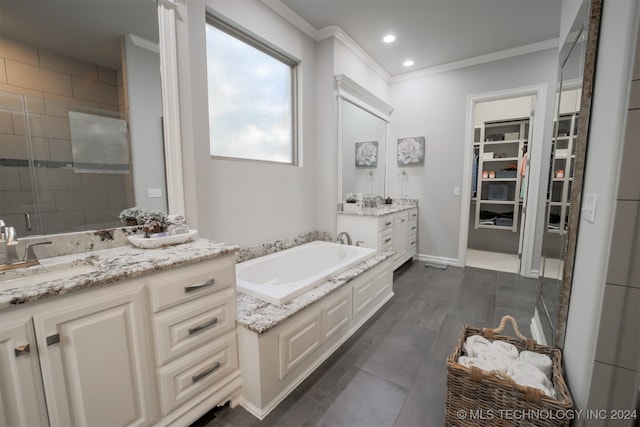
282,276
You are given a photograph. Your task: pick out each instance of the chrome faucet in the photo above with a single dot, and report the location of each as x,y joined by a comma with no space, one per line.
9,241
344,234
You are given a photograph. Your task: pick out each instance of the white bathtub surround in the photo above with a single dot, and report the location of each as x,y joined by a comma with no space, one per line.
246,254
111,265
279,346
259,316
279,277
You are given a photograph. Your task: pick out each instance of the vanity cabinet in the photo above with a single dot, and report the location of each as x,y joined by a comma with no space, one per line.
155,350
397,231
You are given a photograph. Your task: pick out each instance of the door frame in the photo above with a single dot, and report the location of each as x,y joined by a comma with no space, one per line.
534,171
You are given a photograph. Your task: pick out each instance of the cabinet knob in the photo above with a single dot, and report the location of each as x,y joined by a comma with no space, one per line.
21,350
53,339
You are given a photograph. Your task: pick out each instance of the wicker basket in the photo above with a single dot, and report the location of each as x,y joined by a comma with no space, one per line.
476,397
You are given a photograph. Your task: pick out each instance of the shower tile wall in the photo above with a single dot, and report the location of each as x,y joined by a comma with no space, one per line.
615,374
55,85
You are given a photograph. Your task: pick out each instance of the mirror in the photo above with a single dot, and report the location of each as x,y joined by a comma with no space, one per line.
363,122
568,154
364,149
80,113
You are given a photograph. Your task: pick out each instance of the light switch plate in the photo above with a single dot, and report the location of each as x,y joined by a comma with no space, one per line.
154,192
589,203
456,191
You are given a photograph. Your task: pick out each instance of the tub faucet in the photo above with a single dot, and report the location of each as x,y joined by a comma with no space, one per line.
344,234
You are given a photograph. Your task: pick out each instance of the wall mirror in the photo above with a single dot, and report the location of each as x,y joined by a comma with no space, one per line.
363,122
81,133
577,61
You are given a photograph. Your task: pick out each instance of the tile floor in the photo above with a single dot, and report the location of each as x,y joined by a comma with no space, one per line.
392,372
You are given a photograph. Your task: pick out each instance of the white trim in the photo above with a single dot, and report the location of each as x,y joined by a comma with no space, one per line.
170,106
437,259
535,169
537,332
144,43
360,96
477,60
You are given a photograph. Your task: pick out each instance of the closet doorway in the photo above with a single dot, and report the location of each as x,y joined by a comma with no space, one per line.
503,137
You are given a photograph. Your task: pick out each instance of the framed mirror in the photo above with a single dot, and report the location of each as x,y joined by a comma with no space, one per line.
577,61
81,133
363,126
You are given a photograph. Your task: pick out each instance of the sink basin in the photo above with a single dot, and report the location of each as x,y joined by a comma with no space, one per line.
42,274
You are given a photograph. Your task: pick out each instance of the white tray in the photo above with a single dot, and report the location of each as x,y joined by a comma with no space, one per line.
159,242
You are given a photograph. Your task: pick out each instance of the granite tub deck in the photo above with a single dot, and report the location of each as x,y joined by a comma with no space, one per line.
260,316
111,265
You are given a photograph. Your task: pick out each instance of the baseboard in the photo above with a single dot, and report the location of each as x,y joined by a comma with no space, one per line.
437,259
536,329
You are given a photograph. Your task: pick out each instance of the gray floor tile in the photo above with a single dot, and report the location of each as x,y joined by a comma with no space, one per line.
393,370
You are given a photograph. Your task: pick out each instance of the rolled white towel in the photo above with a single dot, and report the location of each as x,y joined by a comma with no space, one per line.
528,381
175,219
174,229
518,368
499,362
509,351
475,344
540,361
485,365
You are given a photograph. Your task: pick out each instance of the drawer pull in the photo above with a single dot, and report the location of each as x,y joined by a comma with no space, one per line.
21,350
387,240
387,223
205,325
403,220
413,243
413,228
206,284
53,339
206,372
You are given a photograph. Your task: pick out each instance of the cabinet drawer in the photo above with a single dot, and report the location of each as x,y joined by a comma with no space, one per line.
386,239
192,324
413,226
190,282
202,369
413,214
385,222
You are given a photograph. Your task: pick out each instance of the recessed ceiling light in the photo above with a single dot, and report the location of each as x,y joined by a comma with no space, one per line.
408,63
390,38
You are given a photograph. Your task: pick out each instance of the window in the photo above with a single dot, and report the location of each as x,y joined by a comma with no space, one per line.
252,97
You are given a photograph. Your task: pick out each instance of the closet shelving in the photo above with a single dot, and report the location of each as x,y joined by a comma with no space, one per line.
563,155
500,147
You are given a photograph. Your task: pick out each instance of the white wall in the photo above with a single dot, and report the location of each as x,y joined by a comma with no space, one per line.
244,202
434,106
348,63
610,99
504,109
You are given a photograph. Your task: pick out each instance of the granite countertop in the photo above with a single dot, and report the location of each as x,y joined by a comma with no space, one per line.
110,265
382,210
260,316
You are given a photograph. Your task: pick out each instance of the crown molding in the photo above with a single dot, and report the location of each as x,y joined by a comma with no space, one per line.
477,60
349,89
292,17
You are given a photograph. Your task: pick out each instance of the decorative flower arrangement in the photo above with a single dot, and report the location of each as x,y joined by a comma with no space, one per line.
153,221
130,215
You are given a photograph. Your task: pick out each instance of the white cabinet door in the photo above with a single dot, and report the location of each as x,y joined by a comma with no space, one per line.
400,237
21,395
95,360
